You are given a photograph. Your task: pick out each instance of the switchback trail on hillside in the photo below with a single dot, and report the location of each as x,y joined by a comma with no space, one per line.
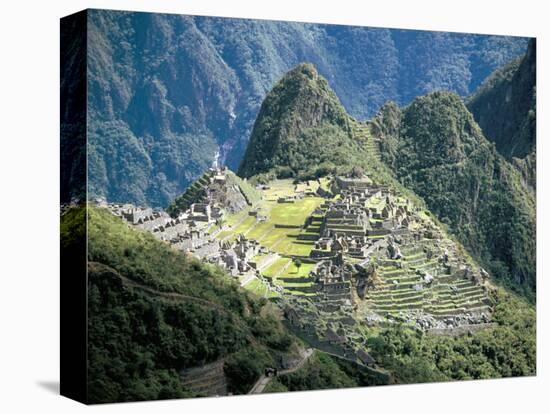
264,380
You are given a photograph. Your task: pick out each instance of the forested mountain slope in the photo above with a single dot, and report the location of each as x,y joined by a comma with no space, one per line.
301,125
505,108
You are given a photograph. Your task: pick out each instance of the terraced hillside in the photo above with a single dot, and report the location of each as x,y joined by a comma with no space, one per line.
402,290
362,133
206,380
432,282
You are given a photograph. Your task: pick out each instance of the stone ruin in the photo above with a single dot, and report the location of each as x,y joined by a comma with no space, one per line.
235,256
372,248
402,264
333,282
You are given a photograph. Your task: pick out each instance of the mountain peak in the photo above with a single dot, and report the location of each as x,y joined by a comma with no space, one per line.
301,111
441,129
306,69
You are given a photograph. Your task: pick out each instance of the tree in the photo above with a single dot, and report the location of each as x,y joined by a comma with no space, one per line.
356,172
298,264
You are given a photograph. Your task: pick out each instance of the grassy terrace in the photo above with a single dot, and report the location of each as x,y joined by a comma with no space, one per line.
375,237
294,280
279,188
362,133
261,260
298,293
282,240
293,272
283,272
294,213
276,267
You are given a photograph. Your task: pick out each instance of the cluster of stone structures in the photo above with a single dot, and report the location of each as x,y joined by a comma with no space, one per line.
236,256
352,224
187,233
223,192
190,230
326,319
333,284
380,259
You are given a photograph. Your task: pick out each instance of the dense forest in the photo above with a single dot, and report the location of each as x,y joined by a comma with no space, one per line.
166,92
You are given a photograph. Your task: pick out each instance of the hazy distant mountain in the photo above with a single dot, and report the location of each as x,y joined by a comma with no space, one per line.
168,92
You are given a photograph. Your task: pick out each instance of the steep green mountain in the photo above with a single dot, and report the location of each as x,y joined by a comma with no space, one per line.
301,125
504,106
154,312
435,147
167,92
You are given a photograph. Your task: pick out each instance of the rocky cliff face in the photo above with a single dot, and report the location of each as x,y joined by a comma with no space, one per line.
168,92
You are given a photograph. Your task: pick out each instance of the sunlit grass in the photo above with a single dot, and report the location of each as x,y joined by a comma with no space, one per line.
276,267
302,271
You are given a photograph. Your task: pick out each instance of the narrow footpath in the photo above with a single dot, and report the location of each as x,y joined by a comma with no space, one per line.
264,380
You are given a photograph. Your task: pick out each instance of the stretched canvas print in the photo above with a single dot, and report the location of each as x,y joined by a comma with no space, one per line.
252,206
